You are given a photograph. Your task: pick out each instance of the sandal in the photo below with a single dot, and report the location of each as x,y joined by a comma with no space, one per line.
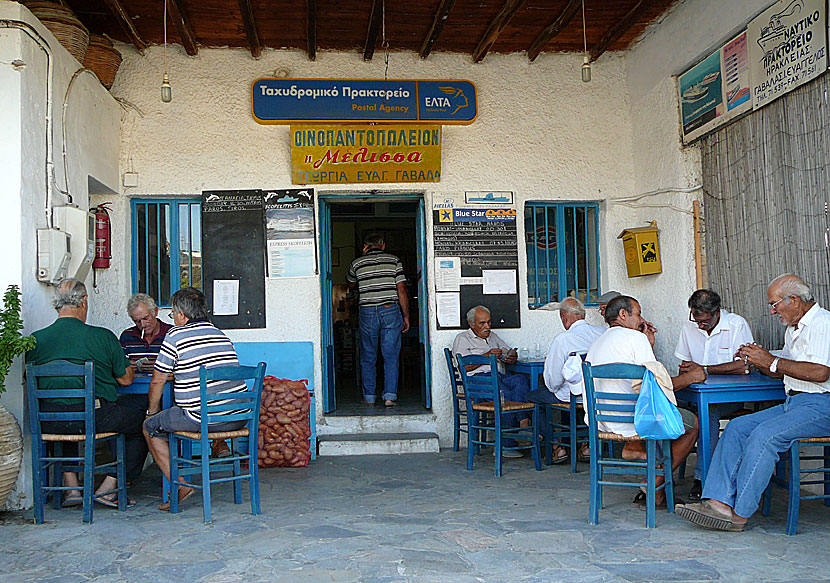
165,506
584,454
70,501
112,502
561,456
640,501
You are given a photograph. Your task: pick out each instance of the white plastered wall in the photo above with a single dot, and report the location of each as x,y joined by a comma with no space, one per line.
688,33
91,122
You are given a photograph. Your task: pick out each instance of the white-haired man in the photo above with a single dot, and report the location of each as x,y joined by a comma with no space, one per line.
481,340
576,339
746,454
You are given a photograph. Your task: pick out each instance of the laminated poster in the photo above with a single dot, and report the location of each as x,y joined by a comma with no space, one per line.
289,232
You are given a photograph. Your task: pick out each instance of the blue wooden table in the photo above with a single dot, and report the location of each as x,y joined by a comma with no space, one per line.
532,368
141,386
726,389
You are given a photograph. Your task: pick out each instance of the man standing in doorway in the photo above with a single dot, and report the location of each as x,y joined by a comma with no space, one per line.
384,315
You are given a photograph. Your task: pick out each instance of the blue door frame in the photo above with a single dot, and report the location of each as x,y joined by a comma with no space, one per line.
327,332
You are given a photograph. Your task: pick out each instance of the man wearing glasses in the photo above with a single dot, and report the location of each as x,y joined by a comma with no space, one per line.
745,457
711,338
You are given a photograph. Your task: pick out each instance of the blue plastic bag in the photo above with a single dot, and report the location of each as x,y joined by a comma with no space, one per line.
655,417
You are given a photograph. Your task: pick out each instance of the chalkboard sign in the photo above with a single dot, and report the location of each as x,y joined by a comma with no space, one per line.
233,257
484,242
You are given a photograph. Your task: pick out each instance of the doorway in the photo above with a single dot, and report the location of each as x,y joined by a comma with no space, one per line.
344,222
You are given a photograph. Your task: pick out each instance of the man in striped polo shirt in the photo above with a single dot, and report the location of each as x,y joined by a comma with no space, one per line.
384,315
192,343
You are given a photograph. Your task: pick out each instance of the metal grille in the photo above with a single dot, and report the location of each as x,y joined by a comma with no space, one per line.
562,252
165,230
765,196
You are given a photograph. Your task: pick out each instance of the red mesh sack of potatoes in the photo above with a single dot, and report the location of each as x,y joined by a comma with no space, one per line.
283,424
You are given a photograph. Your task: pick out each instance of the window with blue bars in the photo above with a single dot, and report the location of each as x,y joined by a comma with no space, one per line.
166,246
562,251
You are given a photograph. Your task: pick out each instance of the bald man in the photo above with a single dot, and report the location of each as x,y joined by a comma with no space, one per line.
745,457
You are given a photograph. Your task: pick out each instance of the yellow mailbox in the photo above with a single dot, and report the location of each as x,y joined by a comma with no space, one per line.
642,250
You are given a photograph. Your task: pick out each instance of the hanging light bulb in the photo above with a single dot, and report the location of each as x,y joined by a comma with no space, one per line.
586,60
586,69
166,89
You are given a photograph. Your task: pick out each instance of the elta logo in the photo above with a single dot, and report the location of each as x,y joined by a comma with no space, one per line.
456,100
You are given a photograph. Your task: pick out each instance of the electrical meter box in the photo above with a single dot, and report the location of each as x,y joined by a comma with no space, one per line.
80,224
53,255
642,250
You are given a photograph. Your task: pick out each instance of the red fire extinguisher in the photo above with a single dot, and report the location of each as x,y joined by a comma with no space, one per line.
103,233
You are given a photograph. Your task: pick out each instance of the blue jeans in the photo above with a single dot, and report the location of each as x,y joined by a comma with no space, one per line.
716,411
384,324
751,445
514,387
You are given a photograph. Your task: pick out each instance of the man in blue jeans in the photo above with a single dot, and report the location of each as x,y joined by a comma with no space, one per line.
384,315
746,454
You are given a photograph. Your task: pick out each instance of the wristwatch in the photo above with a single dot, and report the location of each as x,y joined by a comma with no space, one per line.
773,367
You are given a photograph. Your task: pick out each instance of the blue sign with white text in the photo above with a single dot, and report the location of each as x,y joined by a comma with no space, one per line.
443,101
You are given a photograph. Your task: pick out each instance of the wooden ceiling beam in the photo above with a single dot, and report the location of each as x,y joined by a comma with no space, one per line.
498,24
620,28
437,26
179,17
249,23
553,29
126,24
375,21
311,29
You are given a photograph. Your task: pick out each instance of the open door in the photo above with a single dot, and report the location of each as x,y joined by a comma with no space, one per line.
423,312
344,222
327,333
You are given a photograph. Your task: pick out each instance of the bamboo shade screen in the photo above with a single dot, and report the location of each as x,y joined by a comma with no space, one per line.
765,197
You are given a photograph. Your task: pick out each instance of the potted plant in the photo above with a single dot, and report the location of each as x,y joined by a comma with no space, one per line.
12,345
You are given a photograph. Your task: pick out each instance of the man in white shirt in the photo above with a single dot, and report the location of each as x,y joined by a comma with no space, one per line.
746,454
711,338
576,338
625,341
481,340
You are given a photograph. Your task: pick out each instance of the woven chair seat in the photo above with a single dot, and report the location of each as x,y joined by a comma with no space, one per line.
738,413
72,436
564,406
489,407
618,437
459,395
814,439
216,435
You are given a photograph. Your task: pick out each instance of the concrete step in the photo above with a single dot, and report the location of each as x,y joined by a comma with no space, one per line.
359,425
377,443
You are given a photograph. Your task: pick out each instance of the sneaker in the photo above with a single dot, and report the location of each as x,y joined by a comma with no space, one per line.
696,492
219,448
511,453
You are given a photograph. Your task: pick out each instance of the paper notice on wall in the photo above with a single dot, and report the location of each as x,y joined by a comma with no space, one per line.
447,273
448,307
225,297
499,281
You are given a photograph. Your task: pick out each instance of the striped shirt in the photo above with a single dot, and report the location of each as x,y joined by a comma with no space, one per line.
135,346
185,349
377,275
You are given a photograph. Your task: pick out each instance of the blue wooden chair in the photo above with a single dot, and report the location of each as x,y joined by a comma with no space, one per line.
794,483
570,435
459,409
182,464
621,410
485,409
43,461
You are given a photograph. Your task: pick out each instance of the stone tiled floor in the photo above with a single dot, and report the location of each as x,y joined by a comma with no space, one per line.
409,518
